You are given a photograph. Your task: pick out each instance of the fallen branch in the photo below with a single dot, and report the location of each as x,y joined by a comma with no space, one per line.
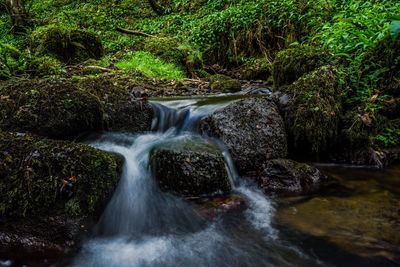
122,30
98,68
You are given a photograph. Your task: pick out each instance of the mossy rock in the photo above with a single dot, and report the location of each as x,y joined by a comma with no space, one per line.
33,171
191,168
385,56
45,66
56,109
224,84
63,109
122,111
313,116
290,64
66,44
166,48
258,69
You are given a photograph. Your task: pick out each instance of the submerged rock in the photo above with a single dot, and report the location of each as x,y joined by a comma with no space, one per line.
365,224
190,169
64,109
47,188
284,176
252,130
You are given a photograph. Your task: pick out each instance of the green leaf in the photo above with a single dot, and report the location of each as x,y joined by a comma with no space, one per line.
395,28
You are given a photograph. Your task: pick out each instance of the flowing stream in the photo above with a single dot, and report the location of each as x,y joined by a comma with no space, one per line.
143,226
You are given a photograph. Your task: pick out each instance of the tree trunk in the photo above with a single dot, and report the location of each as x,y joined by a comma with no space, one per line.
19,17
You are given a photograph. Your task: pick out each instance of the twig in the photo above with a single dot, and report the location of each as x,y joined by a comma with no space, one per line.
127,31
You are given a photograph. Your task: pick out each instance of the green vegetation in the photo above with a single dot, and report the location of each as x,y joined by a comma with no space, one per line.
150,66
283,41
313,121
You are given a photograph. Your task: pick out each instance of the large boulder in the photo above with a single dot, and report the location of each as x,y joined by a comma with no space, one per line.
190,169
313,112
63,109
48,188
50,108
252,130
284,176
123,111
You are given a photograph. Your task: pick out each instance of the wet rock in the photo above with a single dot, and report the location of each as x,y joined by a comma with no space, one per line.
211,208
46,238
47,188
63,109
123,109
49,108
284,176
190,169
252,130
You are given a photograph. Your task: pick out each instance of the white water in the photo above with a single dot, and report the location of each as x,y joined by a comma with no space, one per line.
145,227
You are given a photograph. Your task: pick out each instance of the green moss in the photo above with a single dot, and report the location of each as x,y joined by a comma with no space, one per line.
56,109
45,66
292,63
121,112
63,109
66,44
256,69
229,86
167,48
32,170
313,120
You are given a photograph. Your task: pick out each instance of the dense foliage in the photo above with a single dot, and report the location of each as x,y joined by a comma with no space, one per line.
358,35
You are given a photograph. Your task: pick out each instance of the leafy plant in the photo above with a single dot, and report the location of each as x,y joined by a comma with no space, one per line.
150,66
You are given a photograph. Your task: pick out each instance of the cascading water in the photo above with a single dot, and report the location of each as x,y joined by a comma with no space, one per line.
143,226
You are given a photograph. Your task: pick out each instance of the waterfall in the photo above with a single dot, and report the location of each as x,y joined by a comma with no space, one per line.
143,226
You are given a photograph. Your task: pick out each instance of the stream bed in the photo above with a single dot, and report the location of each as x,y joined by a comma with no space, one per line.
353,221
